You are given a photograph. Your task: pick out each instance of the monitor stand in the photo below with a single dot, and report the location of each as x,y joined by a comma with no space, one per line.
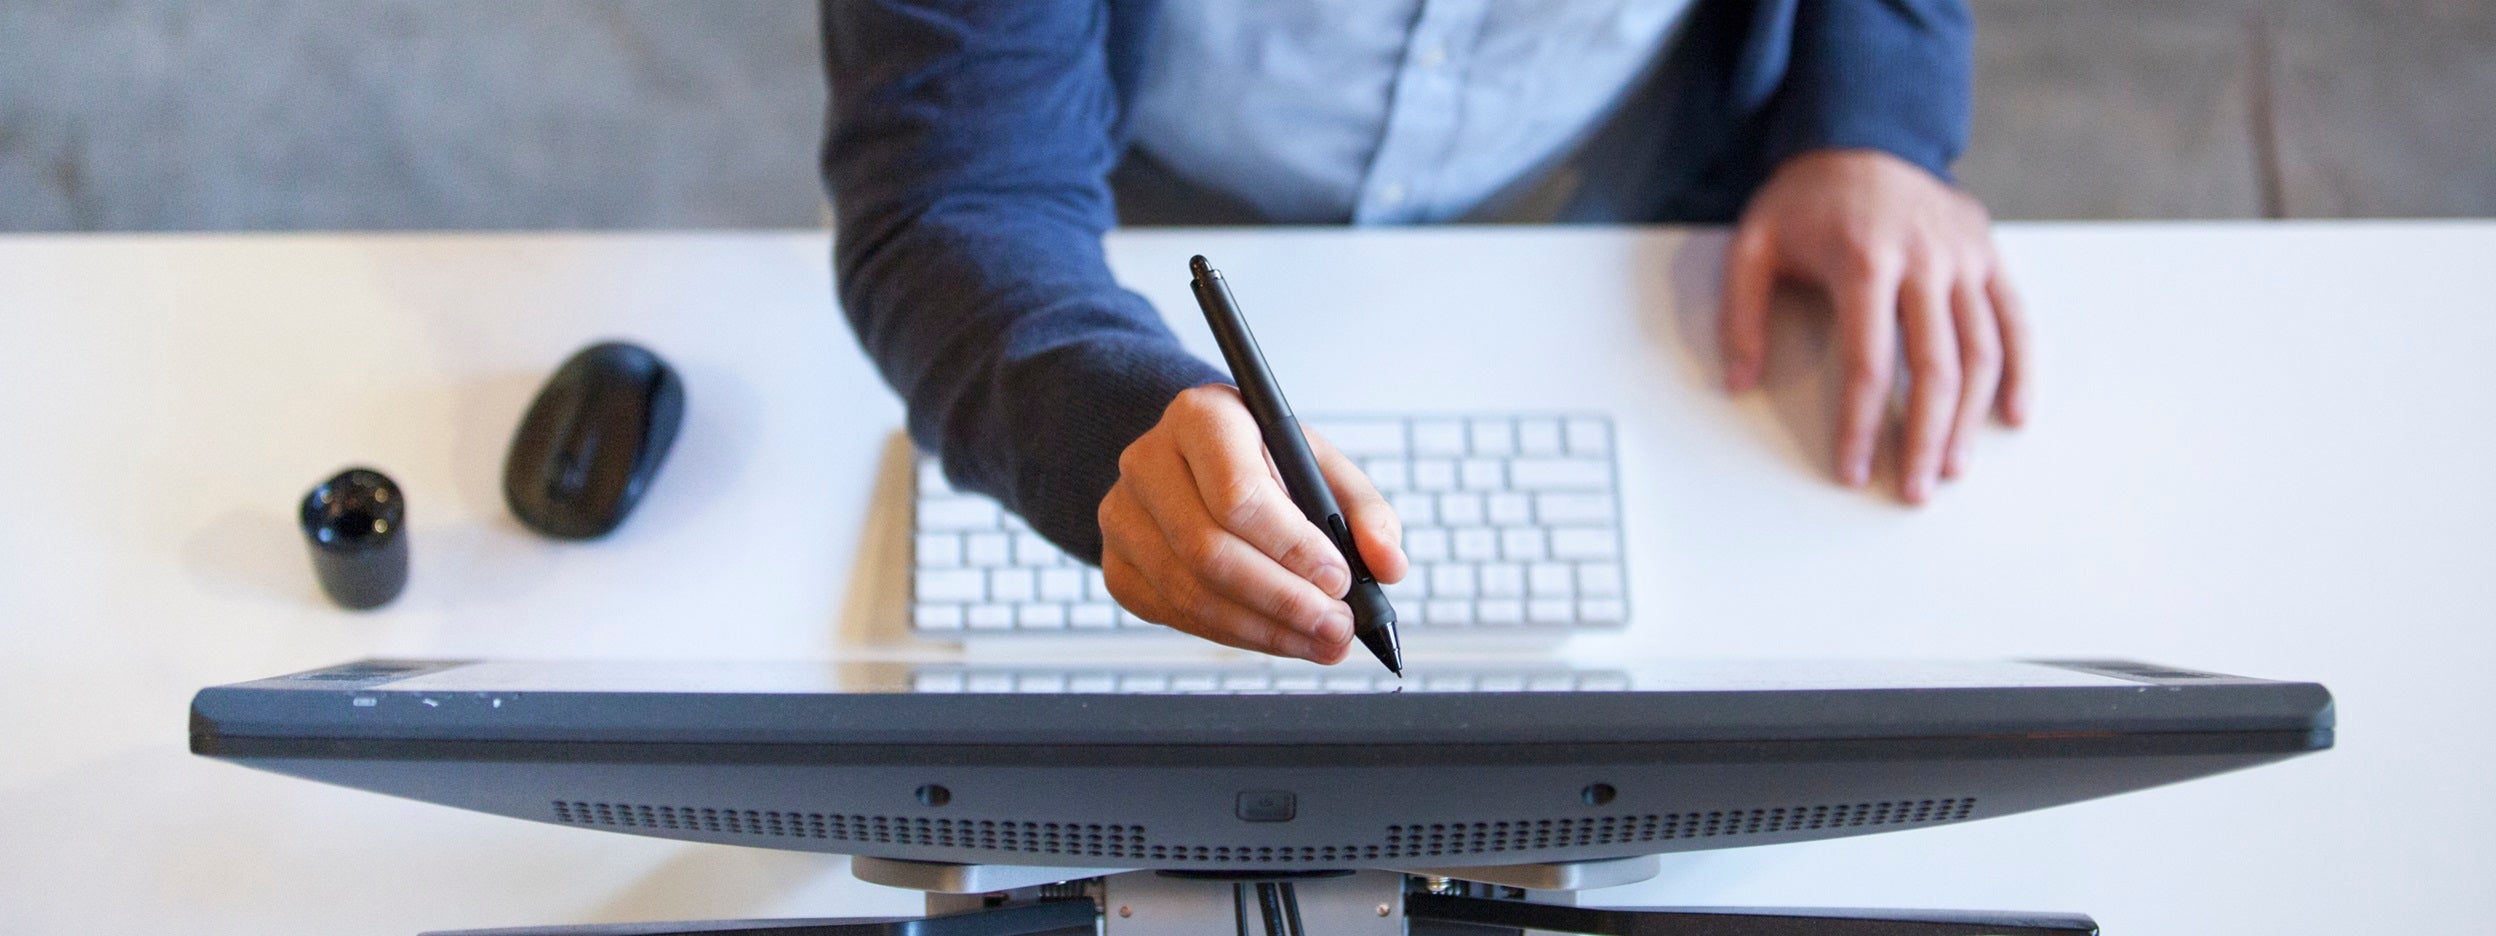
1507,900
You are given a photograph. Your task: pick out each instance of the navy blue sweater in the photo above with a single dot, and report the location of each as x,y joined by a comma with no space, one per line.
972,142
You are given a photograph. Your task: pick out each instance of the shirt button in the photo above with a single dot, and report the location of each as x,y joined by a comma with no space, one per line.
1391,194
1432,56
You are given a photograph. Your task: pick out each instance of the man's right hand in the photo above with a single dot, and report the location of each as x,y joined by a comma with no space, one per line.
1199,535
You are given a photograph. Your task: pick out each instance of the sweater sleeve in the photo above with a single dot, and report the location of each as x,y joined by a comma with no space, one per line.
968,162
1891,75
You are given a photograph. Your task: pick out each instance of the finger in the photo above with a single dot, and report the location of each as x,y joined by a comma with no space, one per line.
1980,368
1236,486
1191,607
1219,559
1375,529
2011,317
1742,325
1933,381
1868,328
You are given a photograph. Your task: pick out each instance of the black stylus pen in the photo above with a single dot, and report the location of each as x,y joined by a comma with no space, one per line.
1373,619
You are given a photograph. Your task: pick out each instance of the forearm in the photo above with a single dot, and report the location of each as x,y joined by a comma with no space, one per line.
1888,75
967,167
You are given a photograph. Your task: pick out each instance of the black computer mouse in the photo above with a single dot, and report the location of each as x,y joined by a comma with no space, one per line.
593,440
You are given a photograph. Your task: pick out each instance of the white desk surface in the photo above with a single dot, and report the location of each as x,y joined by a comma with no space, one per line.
2258,448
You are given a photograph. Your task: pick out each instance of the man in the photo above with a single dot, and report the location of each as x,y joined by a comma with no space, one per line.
971,160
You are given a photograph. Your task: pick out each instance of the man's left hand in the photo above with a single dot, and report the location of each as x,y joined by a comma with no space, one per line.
1906,259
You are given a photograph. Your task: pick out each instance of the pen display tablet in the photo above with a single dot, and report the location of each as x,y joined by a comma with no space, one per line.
882,677
1253,766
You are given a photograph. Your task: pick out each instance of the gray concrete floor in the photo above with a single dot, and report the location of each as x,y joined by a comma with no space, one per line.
357,114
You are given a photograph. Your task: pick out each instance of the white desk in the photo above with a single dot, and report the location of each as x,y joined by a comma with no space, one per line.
2258,448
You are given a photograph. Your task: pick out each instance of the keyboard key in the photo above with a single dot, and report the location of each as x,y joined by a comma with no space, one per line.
1438,437
1447,682
1461,510
1040,616
1551,580
1414,508
1095,585
1477,544
1012,523
1092,683
954,585
1434,474
991,617
1405,594
1562,509
1483,474
1128,620
988,549
1040,682
1450,611
1602,611
1524,544
1388,475
1585,543
1195,682
1144,682
1599,579
1503,580
1500,611
958,513
1425,544
1494,437
1538,437
937,617
1603,682
1560,474
1064,585
1550,611
1511,510
1032,549
1451,580
932,478
939,550
936,681
1093,615
1362,437
1588,436
1014,585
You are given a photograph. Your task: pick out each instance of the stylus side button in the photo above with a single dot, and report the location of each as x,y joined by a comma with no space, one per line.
1267,805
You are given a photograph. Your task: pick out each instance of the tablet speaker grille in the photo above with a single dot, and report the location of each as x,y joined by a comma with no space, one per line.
1405,841
1046,838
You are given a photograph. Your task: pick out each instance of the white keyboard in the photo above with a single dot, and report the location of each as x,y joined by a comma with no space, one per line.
1512,523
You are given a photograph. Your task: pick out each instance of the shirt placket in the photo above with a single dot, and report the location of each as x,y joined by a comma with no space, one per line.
1400,184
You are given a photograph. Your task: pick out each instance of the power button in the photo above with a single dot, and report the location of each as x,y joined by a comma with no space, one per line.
1267,805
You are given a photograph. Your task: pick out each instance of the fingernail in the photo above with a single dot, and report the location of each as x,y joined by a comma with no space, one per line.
1856,474
1335,627
1334,580
1918,488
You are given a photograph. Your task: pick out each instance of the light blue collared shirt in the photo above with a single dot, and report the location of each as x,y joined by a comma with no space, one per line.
1385,112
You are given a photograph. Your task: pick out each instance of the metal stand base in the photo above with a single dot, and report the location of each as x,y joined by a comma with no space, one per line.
1522,900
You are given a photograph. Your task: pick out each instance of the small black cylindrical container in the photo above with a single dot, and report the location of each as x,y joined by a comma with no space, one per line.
356,524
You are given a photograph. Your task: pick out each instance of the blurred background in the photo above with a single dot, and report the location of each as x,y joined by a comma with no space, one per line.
447,114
